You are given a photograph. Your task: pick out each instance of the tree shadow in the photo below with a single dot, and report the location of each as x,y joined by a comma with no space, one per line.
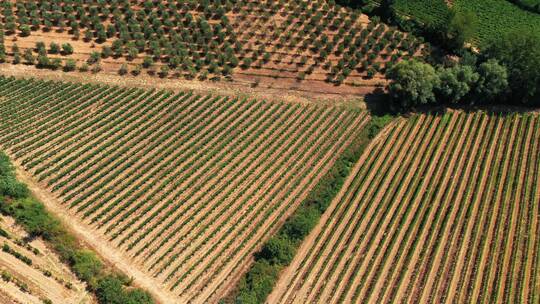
378,103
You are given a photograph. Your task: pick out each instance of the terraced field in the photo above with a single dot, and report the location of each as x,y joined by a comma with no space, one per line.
185,187
440,209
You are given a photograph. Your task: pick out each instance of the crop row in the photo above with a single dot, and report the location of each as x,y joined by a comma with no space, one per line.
443,219
166,178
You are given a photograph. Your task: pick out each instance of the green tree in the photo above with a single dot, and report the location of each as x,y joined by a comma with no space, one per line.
54,48
70,65
67,49
278,250
493,81
29,56
461,28
456,82
412,83
25,30
519,52
147,62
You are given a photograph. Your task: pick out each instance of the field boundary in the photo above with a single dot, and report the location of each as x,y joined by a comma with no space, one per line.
85,235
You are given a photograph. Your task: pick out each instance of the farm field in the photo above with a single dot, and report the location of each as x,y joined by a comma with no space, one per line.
494,17
439,209
184,187
291,44
31,272
427,11
497,17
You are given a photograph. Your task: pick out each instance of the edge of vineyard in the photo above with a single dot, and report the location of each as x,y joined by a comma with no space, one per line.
105,282
278,252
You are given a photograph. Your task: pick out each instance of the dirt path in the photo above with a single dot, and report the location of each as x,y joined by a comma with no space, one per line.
86,235
51,286
314,95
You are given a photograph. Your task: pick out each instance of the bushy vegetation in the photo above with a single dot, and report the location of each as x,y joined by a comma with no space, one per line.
520,53
506,72
279,251
9,186
34,218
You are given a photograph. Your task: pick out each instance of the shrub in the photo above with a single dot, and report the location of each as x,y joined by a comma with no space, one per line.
67,49
84,67
70,65
493,80
54,48
123,69
519,52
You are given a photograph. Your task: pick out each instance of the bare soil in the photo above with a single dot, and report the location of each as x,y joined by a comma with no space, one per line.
40,285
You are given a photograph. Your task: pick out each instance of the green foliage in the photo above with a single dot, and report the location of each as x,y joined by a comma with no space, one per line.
9,186
258,283
498,17
412,83
456,82
33,216
278,250
531,5
376,124
110,290
86,266
70,65
461,29
301,223
520,53
493,81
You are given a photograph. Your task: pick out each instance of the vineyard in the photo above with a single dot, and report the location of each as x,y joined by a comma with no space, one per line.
274,42
185,187
440,209
497,17
31,273
431,12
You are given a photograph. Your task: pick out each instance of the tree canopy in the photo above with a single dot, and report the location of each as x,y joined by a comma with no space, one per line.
520,53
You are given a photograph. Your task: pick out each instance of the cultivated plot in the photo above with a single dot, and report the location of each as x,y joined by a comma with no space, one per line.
186,187
442,209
